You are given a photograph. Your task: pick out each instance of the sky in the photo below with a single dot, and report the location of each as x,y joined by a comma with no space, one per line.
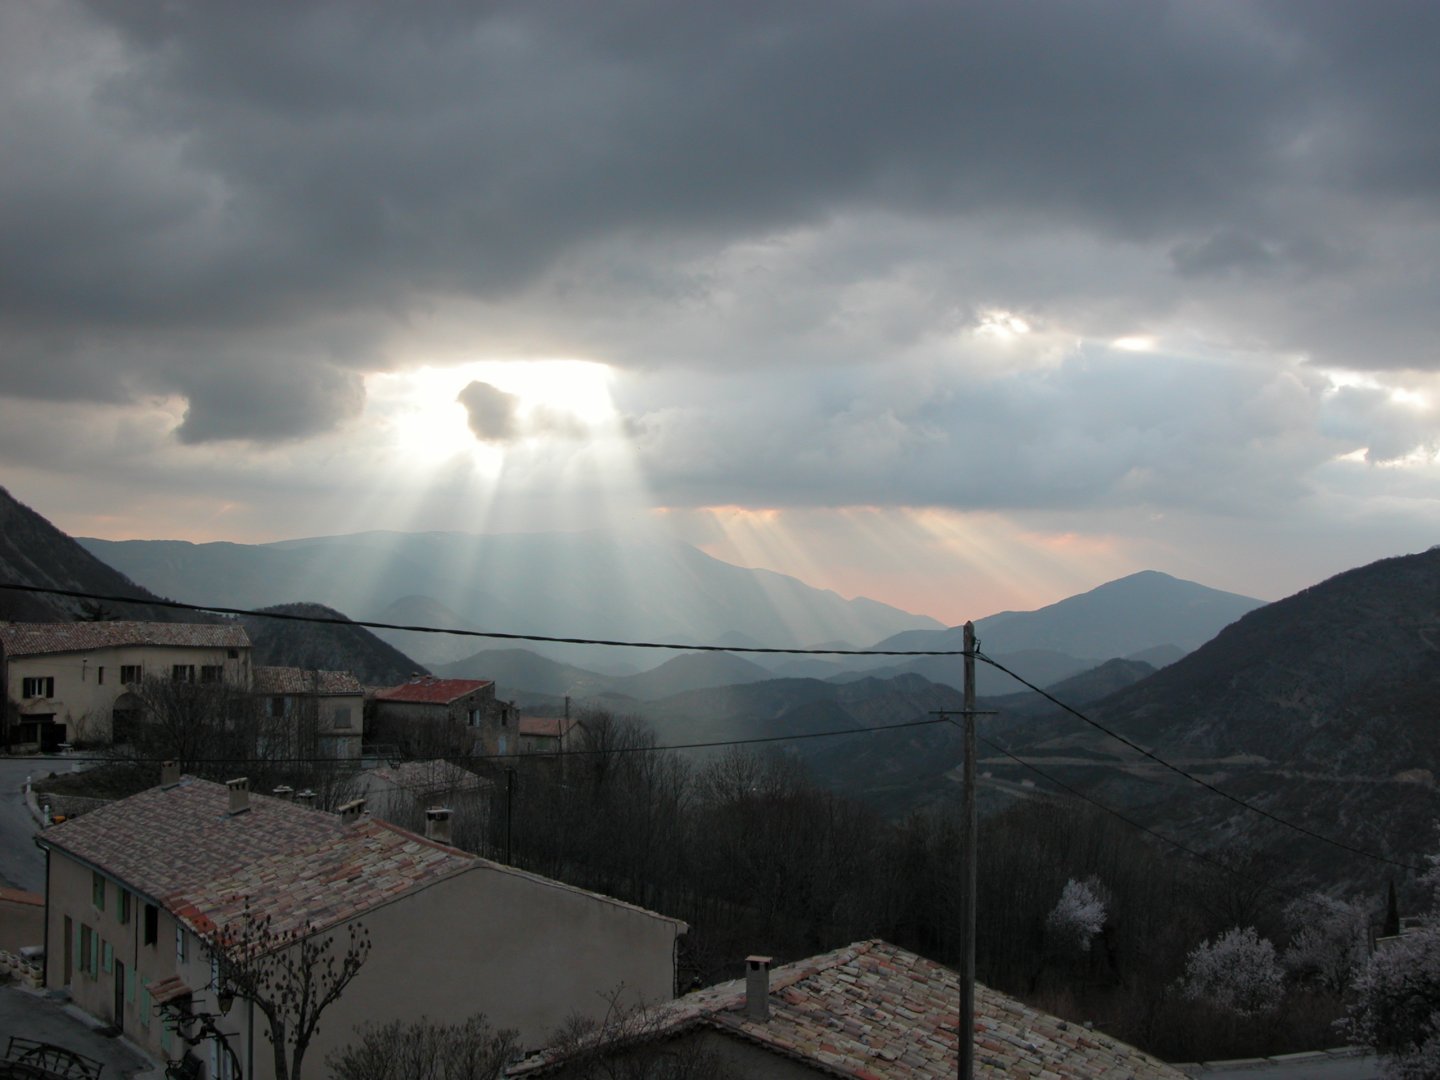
962,307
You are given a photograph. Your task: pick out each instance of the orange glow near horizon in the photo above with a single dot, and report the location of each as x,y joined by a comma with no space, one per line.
947,564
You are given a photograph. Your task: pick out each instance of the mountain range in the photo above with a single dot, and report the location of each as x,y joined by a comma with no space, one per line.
1318,709
633,586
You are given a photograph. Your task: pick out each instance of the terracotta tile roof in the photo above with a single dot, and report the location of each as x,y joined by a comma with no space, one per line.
163,840
20,896
428,690
422,777
35,639
551,727
180,846
294,680
324,884
876,1012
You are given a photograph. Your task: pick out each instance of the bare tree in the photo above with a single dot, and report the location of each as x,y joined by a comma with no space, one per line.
291,976
633,1044
425,1050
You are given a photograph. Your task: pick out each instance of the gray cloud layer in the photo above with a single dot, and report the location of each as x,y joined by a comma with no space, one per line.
245,204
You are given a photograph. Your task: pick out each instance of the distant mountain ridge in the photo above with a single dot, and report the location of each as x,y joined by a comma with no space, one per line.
34,552
1319,708
286,642
599,585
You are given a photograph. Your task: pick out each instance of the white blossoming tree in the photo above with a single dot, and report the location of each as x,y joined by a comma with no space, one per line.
1078,916
1397,1005
1397,999
1329,942
1237,972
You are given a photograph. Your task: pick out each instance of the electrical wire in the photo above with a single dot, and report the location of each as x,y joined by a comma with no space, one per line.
540,754
1193,853
496,634
1237,800
342,621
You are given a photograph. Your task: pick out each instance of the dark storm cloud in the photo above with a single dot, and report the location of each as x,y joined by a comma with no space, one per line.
265,402
187,178
491,412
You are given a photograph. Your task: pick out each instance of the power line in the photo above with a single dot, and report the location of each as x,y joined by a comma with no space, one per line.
538,754
1185,848
1237,800
499,635
496,634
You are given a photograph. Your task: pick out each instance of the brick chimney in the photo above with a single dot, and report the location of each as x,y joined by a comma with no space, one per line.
169,773
239,794
285,792
306,798
757,987
351,811
437,824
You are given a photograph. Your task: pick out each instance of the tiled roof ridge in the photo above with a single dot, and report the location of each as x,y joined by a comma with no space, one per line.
410,834
38,639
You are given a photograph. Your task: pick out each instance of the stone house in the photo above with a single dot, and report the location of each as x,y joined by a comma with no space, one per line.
433,717
871,1011
323,710
135,888
70,682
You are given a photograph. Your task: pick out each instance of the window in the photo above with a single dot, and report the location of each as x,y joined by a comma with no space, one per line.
182,672
152,924
100,675
122,911
211,673
342,716
474,717
180,950
87,941
279,706
132,673
97,890
233,654
42,686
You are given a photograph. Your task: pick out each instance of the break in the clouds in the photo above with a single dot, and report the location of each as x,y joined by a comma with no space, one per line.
1170,258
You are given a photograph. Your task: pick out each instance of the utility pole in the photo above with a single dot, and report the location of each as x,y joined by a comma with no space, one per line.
967,904
965,1033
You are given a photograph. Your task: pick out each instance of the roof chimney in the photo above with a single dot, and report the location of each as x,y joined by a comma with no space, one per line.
351,811
306,798
285,792
437,824
757,987
239,794
169,773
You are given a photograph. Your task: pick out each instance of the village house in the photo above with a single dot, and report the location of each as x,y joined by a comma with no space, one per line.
72,682
456,716
135,887
402,792
547,735
324,710
871,1011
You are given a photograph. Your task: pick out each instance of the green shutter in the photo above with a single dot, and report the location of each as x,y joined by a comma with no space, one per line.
94,954
109,955
145,1006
